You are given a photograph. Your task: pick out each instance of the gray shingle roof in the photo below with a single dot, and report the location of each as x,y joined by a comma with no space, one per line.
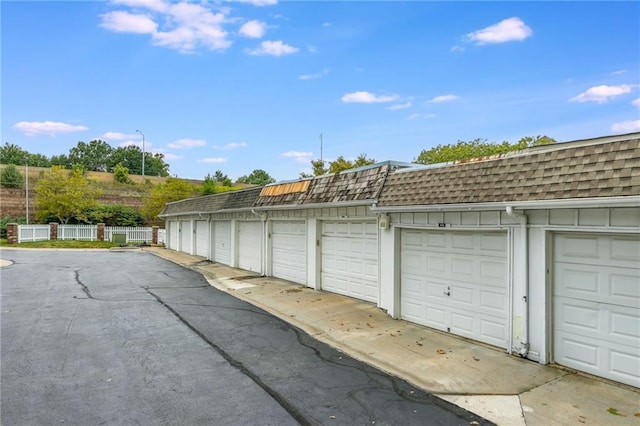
564,171
232,200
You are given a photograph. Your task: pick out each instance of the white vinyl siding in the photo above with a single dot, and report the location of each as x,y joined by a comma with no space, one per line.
350,258
289,250
250,246
222,242
202,238
456,282
597,304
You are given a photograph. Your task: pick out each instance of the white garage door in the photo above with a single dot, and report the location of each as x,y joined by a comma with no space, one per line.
221,250
202,238
597,305
173,234
456,282
186,235
289,250
350,259
250,246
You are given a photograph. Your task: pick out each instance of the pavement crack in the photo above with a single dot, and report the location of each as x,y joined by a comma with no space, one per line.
290,408
82,285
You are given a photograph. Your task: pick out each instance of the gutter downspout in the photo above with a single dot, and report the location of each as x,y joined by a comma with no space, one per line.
524,350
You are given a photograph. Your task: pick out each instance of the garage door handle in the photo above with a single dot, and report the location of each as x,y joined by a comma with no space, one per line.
447,292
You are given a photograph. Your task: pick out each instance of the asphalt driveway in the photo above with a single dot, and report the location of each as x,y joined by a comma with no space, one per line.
123,338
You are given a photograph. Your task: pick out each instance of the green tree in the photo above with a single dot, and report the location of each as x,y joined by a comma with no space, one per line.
115,215
257,177
319,167
209,185
10,177
12,154
131,158
121,174
476,148
93,155
60,160
222,178
173,189
65,195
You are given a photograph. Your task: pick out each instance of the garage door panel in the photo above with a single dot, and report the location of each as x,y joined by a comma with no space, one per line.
597,304
459,281
186,234
202,238
289,250
222,242
250,246
349,262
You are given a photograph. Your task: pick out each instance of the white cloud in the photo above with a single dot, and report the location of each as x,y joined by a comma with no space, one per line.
443,98
169,156
183,26
119,136
298,156
507,30
626,126
619,72
400,106
50,128
257,2
601,94
416,116
137,143
213,160
125,22
636,102
368,98
231,145
457,48
186,143
326,24
314,76
273,48
253,29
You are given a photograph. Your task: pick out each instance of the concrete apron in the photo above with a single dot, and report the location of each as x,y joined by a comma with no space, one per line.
505,389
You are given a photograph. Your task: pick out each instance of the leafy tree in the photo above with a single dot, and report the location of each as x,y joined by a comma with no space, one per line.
12,154
173,189
60,160
93,155
115,215
339,164
38,160
257,177
121,174
208,185
65,195
476,148
10,177
131,158
222,178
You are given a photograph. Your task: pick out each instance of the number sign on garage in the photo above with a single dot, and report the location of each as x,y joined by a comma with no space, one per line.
456,282
350,258
289,250
597,304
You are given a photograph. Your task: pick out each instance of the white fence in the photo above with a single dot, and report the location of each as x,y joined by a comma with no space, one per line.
33,233
132,234
78,232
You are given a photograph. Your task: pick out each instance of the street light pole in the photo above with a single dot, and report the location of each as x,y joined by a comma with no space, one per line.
142,151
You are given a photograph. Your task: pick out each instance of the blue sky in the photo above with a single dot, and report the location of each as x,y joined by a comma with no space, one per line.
243,85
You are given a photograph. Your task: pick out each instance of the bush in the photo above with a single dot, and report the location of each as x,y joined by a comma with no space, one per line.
115,216
9,219
10,177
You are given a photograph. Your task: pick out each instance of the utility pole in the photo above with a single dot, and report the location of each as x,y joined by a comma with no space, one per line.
26,192
142,151
320,146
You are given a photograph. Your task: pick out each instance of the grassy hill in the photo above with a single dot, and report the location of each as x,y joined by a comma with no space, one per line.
13,201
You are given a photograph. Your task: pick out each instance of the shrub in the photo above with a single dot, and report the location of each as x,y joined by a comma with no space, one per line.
10,177
9,219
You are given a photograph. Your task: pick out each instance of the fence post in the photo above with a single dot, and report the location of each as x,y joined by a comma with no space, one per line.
12,233
54,230
154,235
100,232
